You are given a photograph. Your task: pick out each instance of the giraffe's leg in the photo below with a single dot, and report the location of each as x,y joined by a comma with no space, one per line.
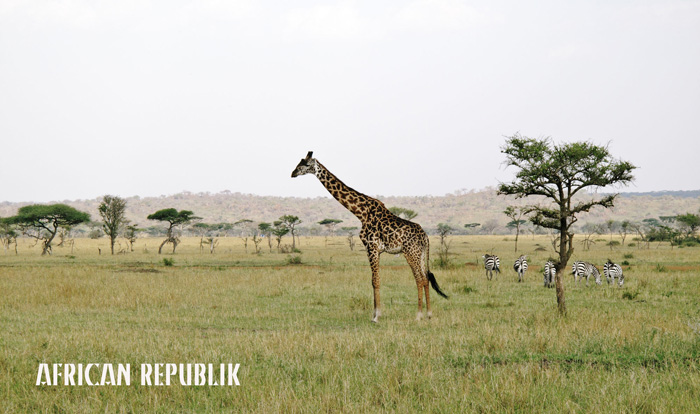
426,288
419,315
374,264
414,258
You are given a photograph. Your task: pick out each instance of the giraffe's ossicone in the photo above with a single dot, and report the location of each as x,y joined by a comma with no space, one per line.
382,231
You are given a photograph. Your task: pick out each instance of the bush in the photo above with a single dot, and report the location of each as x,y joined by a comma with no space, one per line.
631,244
628,256
168,261
625,263
294,260
95,234
660,268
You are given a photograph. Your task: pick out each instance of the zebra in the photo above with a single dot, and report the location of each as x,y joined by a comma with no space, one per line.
584,269
491,263
520,266
549,271
612,271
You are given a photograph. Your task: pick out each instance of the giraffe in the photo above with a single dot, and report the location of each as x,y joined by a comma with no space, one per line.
382,231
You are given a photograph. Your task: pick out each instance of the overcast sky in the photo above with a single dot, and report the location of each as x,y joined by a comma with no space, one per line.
137,97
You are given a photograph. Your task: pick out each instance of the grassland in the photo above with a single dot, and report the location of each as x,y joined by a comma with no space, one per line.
303,336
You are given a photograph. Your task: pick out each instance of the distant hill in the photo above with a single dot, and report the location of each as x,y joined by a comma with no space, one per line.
685,194
457,209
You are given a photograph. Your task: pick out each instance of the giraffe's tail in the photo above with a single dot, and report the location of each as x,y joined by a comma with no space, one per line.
434,284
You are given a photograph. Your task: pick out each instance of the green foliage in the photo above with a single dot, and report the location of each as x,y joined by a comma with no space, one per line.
630,295
112,209
294,260
558,172
329,222
173,217
404,213
43,221
660,268
628,256
168,262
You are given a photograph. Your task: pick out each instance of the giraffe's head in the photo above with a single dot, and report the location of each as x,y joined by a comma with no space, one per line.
306,166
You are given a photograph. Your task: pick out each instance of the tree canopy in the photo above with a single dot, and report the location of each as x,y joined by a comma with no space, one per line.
112,209
174,218
47,218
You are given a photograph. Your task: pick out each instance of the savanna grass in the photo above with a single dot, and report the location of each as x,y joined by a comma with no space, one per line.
302,331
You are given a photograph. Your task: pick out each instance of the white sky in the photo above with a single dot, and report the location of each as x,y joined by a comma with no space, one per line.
137,97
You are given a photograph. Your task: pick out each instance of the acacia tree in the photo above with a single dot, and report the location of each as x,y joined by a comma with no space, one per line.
266,231
112,210
43,221
8,235
329,224
290,222
173,218
516,215
130,235
247,228
279,230
558,172
404,213
689,223
351,236
471,226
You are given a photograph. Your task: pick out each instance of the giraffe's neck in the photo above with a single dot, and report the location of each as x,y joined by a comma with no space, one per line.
356,202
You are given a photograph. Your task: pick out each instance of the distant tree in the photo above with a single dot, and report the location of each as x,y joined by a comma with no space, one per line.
558,173
612,226
130,234
201,229
515,214
173,218
689,224
329,224
247,229
291,222
471,226
43,221
350,231
589,230
443,230
112,209
8,235
279,230
624,229
404,213
266,231
489,226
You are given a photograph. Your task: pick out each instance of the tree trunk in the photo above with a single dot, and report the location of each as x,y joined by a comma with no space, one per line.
563,260
47,243
517,233
111,243
160,249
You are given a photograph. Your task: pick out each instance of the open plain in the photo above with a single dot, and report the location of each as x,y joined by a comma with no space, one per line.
302,333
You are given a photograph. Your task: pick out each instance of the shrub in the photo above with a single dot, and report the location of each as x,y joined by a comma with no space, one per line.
625,263
628,256
294,260
631,244
660,268
168,261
